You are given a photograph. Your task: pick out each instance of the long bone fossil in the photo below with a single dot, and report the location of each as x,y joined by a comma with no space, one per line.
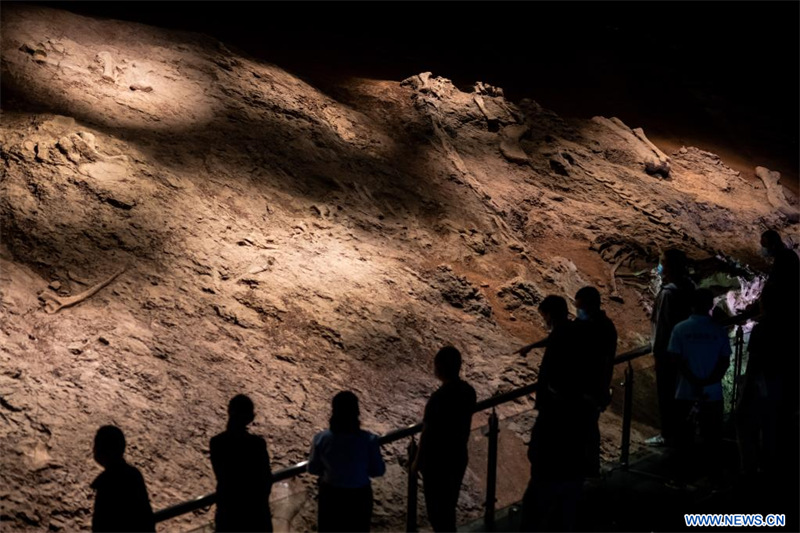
54,304
614,294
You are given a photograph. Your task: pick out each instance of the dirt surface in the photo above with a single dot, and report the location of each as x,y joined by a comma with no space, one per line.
270,238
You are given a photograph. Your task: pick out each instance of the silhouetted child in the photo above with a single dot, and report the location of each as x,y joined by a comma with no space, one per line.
442,456
244,478
345,457
121,502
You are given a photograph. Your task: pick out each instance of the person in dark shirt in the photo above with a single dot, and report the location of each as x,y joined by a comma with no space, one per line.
442,455
599,338
784,278
345,457
672,305
121,502
244,478
559,437
767,411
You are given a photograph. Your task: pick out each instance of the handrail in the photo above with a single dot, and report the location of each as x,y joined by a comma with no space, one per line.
392,436
633,354
185,507
408,431
741,318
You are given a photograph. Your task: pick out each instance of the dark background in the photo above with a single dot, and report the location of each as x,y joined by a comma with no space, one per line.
727,71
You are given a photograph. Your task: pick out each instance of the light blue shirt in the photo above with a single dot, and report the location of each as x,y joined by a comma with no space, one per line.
702,343
346,460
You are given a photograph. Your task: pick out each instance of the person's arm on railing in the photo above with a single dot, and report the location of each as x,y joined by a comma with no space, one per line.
750,313
417,462
527,348
419,458
315,466
376,467
266,467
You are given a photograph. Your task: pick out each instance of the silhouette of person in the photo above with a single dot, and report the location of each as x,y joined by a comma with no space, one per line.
121,501
672,305
442,456
782,294
599,338
767,413
757,414
559,437
702,351
241,466
771,395
784,277
345,457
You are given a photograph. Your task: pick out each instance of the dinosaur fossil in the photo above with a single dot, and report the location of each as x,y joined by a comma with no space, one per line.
54,304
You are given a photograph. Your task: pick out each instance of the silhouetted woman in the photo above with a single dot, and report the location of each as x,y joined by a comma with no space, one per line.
244,480
345,458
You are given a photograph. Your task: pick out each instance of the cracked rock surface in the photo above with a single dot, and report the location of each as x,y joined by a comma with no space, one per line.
288,243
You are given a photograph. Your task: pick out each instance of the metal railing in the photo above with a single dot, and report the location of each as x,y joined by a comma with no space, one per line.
491,433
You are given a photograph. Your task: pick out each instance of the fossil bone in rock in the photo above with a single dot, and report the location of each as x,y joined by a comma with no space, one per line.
54,304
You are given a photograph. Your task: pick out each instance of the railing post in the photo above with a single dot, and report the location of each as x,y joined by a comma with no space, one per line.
411,503
737,364
627,415
491,474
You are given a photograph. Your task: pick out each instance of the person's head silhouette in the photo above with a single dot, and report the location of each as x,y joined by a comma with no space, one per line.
240,412
109,446
553,310
447,364
674,264
587,302
771,243
702,302
344,413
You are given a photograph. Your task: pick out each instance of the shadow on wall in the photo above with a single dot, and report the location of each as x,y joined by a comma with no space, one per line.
261,125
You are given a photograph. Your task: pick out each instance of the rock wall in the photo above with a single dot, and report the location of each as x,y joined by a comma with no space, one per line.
181,223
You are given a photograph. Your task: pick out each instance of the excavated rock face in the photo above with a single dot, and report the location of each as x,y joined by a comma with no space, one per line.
181,224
